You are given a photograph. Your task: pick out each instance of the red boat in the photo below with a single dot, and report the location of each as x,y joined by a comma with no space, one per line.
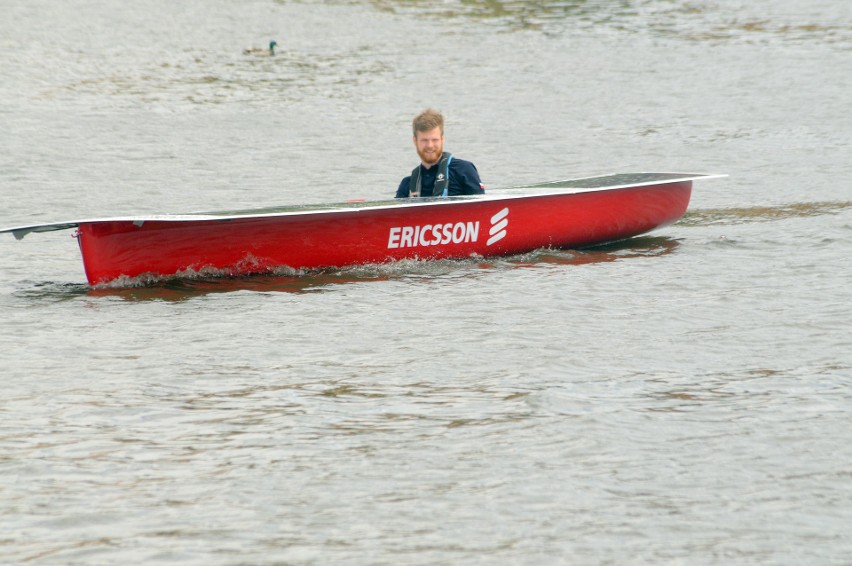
562,214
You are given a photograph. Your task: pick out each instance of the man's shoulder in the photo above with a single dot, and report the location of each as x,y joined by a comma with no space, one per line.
459,162
465,178
462,165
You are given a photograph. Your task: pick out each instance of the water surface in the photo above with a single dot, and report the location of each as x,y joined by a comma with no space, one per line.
680,398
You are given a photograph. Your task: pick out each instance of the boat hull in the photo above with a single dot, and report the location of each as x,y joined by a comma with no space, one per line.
451,228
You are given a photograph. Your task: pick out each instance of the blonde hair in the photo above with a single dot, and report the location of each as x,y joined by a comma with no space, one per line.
427,120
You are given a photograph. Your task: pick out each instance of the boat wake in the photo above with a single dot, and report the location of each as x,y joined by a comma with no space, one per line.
728,216
190,283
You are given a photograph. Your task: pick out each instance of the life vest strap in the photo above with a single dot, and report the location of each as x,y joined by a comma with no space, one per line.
442,181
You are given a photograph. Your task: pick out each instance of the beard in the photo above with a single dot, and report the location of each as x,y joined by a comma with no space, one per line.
431,155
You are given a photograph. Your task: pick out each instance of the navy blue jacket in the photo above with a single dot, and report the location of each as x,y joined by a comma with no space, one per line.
464,180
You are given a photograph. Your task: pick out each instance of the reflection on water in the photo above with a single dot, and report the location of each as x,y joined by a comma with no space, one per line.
214,78
712,216
187,288
179,289
693,21
534,15
193,74
765,30
646,246
46,292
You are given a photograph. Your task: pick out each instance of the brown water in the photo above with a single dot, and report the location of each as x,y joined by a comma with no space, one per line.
681,398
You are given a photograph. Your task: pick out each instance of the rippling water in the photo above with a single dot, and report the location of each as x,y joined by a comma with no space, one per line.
680,398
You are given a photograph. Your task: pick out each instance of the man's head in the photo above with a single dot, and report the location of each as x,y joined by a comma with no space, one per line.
428,128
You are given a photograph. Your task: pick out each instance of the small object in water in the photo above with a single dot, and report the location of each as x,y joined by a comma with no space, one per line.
258,51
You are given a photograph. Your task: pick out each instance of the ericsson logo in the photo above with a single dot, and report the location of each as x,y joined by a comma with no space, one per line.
462,232
498,226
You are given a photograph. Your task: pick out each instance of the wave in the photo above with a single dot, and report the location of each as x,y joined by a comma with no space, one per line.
741,215
189,284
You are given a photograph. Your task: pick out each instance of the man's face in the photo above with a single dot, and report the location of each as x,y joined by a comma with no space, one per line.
429,145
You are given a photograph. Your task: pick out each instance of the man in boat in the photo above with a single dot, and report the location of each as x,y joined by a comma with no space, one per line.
439,173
